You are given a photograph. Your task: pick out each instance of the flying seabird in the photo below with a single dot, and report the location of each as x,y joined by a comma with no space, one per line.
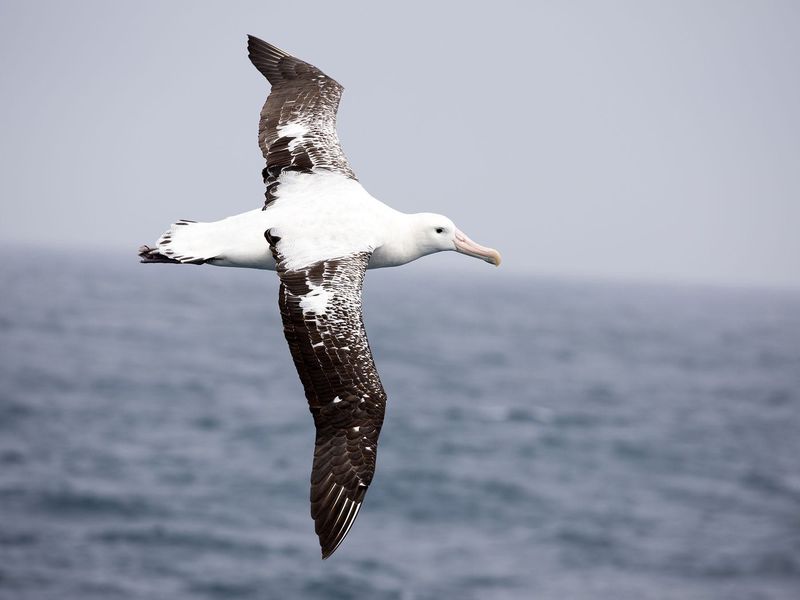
320,230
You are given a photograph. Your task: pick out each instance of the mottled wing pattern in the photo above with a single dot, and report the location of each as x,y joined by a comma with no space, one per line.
297,130
321,311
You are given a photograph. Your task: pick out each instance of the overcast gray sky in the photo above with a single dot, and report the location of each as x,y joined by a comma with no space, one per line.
656,140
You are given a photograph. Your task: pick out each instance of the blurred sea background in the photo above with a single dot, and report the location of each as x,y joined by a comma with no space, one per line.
544,438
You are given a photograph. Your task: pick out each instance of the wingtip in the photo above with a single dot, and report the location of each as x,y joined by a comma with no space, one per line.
256,44
330,543
253,42
266,57
327,552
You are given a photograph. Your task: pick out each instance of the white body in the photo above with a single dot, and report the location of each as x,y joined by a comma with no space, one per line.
318,216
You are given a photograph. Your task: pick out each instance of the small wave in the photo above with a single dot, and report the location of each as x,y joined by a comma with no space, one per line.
76,502
228,589
161,536
12,457
772,484
18,538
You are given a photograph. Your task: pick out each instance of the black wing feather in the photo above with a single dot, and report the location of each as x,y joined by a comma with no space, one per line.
297,129
345,394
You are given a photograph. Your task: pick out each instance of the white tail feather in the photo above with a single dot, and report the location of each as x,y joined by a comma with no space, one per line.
237,241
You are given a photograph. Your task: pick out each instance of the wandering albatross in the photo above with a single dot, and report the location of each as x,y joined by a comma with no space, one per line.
320,230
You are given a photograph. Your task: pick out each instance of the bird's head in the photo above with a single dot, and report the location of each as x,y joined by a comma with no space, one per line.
436,233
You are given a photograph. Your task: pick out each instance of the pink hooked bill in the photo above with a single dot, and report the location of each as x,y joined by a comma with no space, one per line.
470,248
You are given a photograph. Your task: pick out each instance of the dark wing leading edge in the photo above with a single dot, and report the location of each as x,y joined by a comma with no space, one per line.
297,130
321,311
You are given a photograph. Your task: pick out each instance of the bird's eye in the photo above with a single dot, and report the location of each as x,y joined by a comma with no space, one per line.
440,230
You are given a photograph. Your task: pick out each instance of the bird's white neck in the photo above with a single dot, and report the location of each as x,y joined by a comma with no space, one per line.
402,244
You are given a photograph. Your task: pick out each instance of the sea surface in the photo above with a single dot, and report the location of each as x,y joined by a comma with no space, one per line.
544,439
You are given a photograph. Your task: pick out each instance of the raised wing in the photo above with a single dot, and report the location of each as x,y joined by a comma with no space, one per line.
321,311
297,130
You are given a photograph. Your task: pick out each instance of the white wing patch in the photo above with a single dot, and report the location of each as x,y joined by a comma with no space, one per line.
295,131
292,129
316,301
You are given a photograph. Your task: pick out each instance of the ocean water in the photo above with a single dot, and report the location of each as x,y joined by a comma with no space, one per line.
544,439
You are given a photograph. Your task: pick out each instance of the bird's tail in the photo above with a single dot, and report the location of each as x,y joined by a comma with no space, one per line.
148,254
184,243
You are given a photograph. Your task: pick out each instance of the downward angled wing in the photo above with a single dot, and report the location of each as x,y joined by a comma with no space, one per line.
321,311
297,130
